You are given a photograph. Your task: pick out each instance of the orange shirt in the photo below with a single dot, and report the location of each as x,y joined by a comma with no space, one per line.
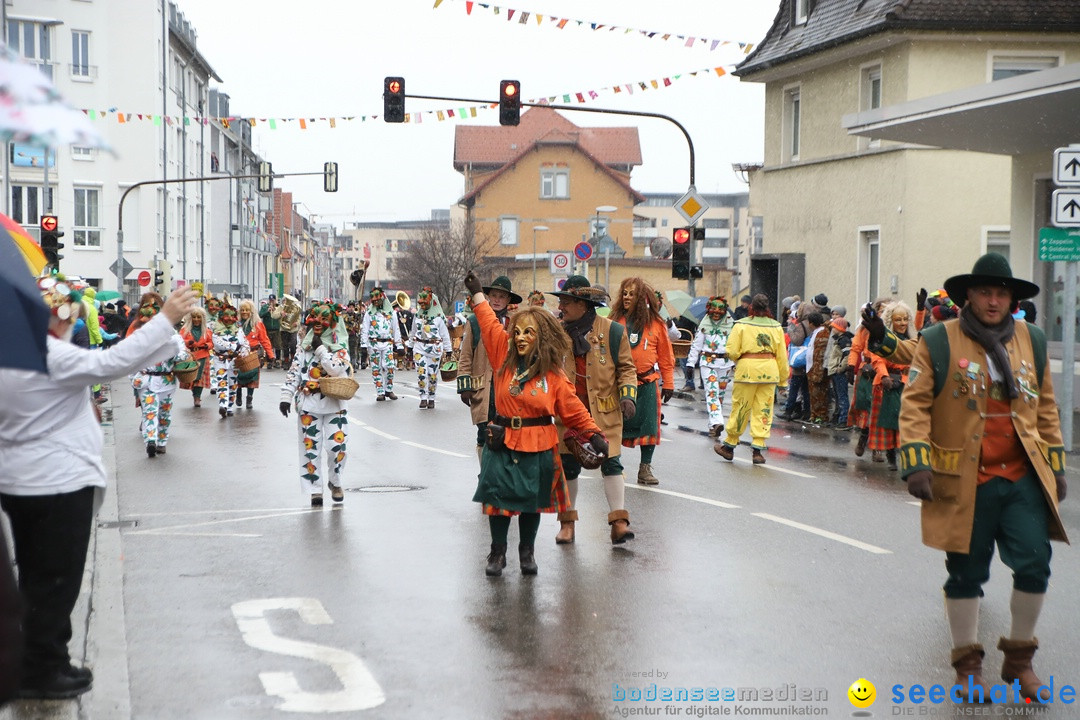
550,394
1002,454
653,348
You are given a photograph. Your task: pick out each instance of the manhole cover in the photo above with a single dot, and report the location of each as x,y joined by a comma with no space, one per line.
385,488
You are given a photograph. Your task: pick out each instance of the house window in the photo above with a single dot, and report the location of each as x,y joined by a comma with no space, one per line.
87,230
389,263
29,39
508,231
26,205
1007,66
870,98
389,246
997,241
555,184
792,117
80,53
81,152
800,11
871,263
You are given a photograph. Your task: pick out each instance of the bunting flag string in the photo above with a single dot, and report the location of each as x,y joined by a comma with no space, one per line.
455,113
561,23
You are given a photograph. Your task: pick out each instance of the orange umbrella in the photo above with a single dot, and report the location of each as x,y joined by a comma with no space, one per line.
31,251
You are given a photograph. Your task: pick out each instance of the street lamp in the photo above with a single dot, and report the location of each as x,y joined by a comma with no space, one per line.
536,229
602,209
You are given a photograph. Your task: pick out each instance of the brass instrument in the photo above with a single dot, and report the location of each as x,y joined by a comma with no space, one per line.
401,300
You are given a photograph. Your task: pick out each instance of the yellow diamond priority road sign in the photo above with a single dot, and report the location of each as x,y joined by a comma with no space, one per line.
691,206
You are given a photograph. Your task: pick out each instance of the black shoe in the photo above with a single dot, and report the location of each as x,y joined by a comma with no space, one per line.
63,684
496,560
528,562
222,412
316,500
784,416
249,405
151,449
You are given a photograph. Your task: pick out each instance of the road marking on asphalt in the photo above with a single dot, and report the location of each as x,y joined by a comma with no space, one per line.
169,530
377,431
684,496
825,534
360,690
432,449
774,468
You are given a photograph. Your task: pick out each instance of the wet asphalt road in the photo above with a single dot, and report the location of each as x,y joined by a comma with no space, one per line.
242,602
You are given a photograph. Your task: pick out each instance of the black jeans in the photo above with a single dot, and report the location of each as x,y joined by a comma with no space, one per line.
51,535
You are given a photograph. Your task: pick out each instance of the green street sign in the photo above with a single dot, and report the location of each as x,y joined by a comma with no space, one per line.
1059,244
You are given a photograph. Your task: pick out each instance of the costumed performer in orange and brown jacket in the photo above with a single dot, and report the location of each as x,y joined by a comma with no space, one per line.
522,474
650,346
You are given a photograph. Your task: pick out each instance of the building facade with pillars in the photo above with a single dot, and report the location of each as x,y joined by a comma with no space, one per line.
875,216
548,172
114,55
242,251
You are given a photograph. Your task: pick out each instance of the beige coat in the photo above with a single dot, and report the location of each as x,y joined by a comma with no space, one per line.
944,434
474,373
608,379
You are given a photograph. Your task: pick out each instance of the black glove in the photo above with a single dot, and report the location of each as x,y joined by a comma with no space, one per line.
467,397
316,341
873,324
1062,487
918,484
666,394
886,383
284,408
629,408
473,284
850,373
600,445
920,300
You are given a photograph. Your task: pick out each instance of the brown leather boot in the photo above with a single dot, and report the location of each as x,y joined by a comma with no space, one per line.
645,475
967,661
496,560
566,527
619,520
528,559
1017,666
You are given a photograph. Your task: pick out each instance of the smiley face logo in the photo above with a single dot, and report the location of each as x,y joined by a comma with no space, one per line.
862,693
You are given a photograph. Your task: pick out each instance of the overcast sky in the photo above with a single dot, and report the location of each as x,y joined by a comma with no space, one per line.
328,58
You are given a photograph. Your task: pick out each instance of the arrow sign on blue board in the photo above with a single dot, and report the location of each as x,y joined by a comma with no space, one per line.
583,251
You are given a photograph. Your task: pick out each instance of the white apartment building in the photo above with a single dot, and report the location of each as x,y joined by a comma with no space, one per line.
137,65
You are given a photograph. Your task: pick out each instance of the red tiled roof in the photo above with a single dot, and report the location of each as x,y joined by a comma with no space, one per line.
497,145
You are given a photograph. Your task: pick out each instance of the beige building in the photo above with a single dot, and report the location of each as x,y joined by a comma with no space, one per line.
871,216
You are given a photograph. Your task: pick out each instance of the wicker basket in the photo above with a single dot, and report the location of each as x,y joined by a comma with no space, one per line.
186,371
247,363
457,331
339,388
682,347
448,371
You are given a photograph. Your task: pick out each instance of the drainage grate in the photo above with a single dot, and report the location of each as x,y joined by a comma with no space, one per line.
125,524
386,488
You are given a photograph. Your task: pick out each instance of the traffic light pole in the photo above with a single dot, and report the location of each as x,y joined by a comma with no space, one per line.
573,108
120,211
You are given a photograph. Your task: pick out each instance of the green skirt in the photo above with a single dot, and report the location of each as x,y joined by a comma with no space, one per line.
889,414
517,481
864,393
646,420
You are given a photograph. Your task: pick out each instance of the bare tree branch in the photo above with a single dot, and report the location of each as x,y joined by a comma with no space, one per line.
440,257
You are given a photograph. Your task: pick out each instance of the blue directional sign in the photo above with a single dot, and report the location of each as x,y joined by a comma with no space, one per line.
583,251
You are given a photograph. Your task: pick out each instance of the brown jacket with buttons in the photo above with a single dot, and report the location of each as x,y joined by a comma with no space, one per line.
609,379
944,434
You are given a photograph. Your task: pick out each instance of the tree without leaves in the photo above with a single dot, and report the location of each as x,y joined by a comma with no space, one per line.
439,256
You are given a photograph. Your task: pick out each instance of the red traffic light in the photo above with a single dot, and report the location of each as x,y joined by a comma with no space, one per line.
48,223
682,235
394,86
510,90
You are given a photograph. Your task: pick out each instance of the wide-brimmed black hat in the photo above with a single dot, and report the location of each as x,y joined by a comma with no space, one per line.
990,269
577,287
503,283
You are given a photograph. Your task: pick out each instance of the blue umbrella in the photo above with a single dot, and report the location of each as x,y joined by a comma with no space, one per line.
23,314
696,309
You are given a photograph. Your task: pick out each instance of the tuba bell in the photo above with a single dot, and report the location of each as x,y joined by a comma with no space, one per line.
402,300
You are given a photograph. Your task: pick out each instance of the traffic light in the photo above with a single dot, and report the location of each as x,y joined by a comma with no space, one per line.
393,100
162,276
266,177
509,102
697,271
50,240
680,254
329,177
